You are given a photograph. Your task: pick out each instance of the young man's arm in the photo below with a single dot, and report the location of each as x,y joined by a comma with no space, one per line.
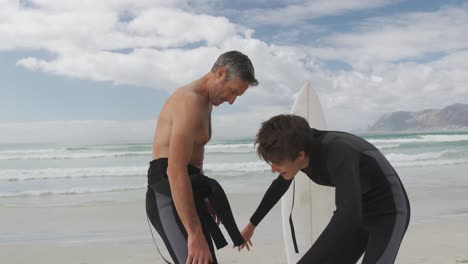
276,190
185,121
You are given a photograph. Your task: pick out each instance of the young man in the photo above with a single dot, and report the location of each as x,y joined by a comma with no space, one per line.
372,208
179,196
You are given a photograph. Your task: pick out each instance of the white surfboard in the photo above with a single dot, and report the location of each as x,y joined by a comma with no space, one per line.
313,204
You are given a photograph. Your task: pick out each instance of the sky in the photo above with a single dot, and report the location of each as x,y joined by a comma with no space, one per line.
99,71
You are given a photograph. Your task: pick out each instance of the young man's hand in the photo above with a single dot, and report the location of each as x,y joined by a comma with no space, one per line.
247,234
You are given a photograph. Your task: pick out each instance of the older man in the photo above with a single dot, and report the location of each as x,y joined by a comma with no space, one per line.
179,196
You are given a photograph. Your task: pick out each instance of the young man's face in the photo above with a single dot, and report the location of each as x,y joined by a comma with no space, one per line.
289,168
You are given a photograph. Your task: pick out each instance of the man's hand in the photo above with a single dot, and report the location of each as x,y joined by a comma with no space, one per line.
247,234
198,250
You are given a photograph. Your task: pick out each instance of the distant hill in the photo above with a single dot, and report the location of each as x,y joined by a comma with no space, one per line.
453,117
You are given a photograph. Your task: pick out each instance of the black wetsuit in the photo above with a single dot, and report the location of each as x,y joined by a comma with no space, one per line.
372,208
163,215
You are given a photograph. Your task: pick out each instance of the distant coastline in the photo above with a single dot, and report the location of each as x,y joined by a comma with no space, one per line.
451,118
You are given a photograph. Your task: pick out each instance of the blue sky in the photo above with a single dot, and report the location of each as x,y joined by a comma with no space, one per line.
89,70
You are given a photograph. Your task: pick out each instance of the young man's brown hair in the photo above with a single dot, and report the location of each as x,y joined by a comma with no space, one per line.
282,137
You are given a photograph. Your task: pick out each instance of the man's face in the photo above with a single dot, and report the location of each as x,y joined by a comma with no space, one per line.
228,90
289,168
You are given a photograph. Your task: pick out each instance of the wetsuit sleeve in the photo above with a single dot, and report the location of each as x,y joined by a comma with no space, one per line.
277,188
343,165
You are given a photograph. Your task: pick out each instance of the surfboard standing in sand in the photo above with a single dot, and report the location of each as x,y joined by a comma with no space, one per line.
306,206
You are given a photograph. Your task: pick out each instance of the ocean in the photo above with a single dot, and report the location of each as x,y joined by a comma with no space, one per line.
431,165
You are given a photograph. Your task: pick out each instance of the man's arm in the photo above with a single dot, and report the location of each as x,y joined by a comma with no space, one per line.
186,119
276,190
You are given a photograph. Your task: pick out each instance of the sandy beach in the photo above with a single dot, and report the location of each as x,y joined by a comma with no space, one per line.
99,224
117,232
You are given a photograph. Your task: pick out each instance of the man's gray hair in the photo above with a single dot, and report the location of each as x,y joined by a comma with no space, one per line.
237,65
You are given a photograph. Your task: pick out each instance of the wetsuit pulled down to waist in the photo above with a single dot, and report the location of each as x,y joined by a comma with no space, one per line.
161,210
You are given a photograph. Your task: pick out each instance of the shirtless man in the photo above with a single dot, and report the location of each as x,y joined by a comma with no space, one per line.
183,129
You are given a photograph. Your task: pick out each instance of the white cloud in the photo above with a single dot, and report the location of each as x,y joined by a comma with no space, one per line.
160,38
399,37
172,27
403,62
61,28
355,99
84,42
251,121
300,11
